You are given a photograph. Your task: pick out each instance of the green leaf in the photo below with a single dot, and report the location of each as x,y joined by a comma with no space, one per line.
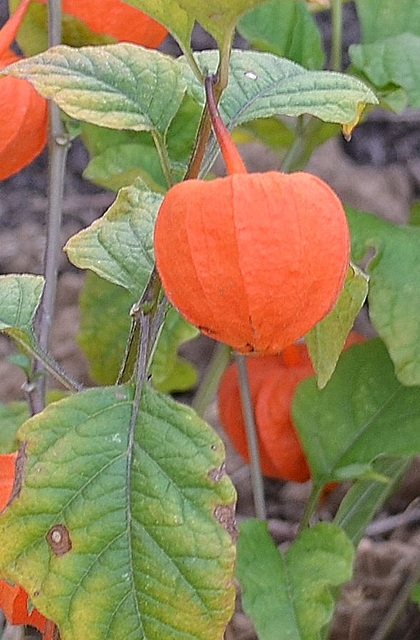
392,60
169,372
119,246
172,15
326,340
104,329
386,18
12,415
115,541
286,28
119,157
363,413
122,86
288,595
394,294
20,296
262,85
366,497
218,17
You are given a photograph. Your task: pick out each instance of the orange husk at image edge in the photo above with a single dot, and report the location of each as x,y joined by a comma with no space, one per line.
117,19
253,260
14,601
23,112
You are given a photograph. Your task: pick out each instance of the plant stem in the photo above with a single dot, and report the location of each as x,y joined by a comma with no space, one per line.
311,505
58,149
210,383
163,157
251,432
337,35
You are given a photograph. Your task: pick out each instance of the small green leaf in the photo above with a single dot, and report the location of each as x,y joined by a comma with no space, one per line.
354,419
394,294
386,18
122,86
263,85
145,528
119,246
104,329
20,296
169,372
218,17
12,415
394,60
366,497
286,28
326,340
288,595
172,15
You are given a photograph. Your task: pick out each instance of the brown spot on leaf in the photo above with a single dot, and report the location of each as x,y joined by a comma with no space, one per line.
218,473
225,514
19,473
59,540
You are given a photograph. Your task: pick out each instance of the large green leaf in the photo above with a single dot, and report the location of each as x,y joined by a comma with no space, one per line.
263,85
326,340
366,496
119,246
122,86
288,595
20,296
286,28
117,539
104,329
394,293
394,60
363,413
386,18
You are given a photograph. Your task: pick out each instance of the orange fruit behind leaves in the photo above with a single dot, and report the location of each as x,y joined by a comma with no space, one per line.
253,260
273,381
13,599
23,112
117,19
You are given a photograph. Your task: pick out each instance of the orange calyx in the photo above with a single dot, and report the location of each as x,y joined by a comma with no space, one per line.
8,33
231,156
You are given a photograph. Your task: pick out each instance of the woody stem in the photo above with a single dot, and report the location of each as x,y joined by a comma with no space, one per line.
337,34
58,149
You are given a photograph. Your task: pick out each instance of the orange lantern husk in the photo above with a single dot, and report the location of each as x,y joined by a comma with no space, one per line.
118,19
253,260
23,112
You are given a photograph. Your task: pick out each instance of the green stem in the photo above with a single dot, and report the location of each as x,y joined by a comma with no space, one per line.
251,432
337,35
210,383
311,505
163,157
